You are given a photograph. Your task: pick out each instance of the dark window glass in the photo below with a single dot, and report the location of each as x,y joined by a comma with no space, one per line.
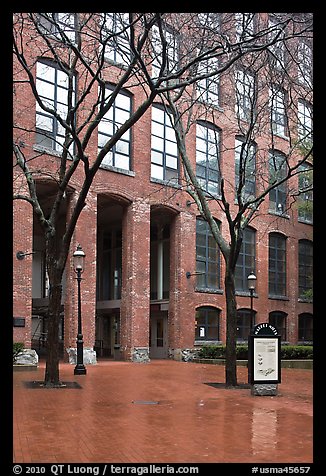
277,265
207,324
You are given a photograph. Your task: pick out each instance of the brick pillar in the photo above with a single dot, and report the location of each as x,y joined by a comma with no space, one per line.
181,305
292,290
85,235
22,270
135,298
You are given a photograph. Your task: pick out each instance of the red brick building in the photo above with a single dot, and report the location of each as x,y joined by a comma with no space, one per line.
153,280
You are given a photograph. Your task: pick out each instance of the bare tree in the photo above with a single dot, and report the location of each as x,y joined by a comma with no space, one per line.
268,85
134,51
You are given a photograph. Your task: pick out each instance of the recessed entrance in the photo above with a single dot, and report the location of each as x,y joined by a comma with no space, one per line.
158,336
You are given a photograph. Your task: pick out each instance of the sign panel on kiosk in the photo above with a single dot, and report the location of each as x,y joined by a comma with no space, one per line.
264,355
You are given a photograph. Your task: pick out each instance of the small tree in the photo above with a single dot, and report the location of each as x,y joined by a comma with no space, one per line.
264,113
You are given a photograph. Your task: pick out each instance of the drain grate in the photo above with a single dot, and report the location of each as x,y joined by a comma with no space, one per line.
145,402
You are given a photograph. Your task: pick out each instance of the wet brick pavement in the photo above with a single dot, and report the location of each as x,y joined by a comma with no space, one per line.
160,412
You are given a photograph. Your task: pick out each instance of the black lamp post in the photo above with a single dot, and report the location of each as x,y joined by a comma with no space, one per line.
79,259
251,279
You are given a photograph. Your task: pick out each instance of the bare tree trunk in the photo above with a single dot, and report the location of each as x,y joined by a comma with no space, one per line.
231,328
55,272
52,362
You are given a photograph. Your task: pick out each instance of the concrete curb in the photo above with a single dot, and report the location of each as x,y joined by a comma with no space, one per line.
288,364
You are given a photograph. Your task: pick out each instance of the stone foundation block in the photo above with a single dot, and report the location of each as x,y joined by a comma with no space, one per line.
140,354
264,389
27,357
89,356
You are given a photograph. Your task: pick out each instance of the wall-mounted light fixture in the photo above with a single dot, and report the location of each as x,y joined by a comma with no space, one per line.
21,254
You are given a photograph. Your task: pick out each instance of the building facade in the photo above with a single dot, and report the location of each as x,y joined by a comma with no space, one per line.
153,280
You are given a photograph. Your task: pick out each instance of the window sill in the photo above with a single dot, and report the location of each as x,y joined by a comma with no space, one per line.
278,298
210,104
306,222
207,342
307,301
281,215
166,183
245,294
48,151
115,63
117,170
209,290
281,136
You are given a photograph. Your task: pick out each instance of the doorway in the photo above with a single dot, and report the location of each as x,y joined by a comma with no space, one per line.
158,336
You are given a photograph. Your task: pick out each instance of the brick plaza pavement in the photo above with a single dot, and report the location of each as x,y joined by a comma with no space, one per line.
160,412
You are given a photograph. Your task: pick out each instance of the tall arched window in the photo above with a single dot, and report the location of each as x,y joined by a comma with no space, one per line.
120,154
207,258
245,169
305,269
277,265
278,169
53,87
207,157
246,259
164,149
207,323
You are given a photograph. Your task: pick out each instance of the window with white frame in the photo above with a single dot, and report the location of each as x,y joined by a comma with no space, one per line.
52,86
207,157
245,169
244,25
115,37
208,88
245,95
171,54
278,169
304,121
120,154
277,49
164,149
278,111
209,21
305,64
305,197
61,26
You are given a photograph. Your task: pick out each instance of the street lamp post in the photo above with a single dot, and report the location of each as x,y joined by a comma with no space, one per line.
79,259
251,279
